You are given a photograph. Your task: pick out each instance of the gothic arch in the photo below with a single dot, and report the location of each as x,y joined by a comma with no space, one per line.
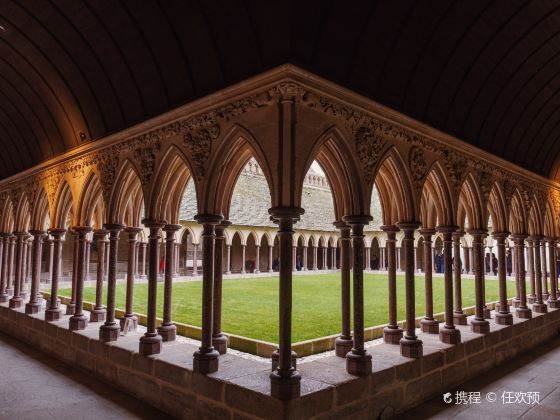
91,207
8,218
497,209
23,212
436,201
64,206
126,195
40,213
517,215
470,200
550,226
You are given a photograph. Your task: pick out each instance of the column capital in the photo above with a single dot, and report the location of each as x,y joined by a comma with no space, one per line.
341,224
293,213
546,239
358,219
57,232
427,232
5,235
389,228
408,226
100,232
113,227
133,229
477,232
535,237
500,235
82,229
172,228
519,237
208,219
447,229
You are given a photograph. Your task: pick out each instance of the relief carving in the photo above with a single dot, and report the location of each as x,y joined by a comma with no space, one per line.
369,147
418,166
199,145
146,158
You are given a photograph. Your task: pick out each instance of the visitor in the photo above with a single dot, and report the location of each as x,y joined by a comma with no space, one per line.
276,265
374,264
487,263
509,263
299,264
495,264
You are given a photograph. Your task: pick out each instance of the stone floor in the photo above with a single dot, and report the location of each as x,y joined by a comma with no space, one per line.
538,371
34,386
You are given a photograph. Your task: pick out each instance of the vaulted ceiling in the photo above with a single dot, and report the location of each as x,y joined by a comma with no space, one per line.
487,72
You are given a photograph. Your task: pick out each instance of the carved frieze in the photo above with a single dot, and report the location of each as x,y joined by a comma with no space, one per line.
199,145
418,166
146,158
369,146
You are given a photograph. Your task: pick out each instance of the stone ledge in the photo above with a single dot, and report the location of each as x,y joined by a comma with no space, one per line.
241,387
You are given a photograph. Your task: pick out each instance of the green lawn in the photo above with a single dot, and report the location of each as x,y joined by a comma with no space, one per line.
250,306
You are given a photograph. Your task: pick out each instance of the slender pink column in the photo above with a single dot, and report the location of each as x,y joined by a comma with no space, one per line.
257,259
4,239
270,249
150,342
502,313
71,306
53,312
304,258
553,301
315,258
392,333
79,320
195,260
110,330
358,360
206,357
98,313
228,259
544,271
284,379
449,334
168,330
11,251
478,323
219,340
428,324
343,343
144,248
34,305
17,301
538,306
129,304
459,316
24,268
522,310
531,261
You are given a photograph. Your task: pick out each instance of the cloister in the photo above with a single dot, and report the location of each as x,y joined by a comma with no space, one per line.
119,166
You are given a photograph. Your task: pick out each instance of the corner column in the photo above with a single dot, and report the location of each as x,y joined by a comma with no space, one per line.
449,334
538,306
478,323
98,313
428,324
502,314
167,330
206,357
392,333
219,340
343,343
53,311
34,305
129,304
459,316
79,320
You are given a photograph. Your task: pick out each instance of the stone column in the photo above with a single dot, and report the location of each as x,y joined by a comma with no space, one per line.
368,259
304,258
531,262
467,267
51,253
459,316
538,306
449,334
136,260
333,258
314,258
219,340
257,259
398,257
415,252
358,360
523,310
502,313
167,330
109,331
228,260
4,244
411,346
34,305
144,248
129,304
11,252
71,307
17,301
53,311
294,258
343,343
270,248
243,248
107,251
486,313
428,324
553,301
544,271
478,323
471,259
150,342
79,320
176,260
325,265
23,284
392,333
88,252
284,378
195,260
206,357
98,312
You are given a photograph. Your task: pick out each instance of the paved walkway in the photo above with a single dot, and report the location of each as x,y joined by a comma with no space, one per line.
35,386
537,371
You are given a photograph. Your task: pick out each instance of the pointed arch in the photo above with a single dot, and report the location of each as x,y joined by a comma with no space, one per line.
497,209
517,215
236,149
91,206
127,197
550,225
40,214
64,206
23,214
8,216
470,200
436,201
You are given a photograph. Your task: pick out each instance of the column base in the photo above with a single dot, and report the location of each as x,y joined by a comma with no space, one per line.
545,296
392,335
450,335
109,332
16,302
503,318
150,344
553,303
515,302
411,347
97,315
132,324
342,345
70,308
32,308
49,303
23,294
285,387
10,291
168,332
78,322
358,364
256,272
524,313
540,308
4,298
52,314
275,357
430,326
531,299
486,312
459,318
220,342
205,362
480,326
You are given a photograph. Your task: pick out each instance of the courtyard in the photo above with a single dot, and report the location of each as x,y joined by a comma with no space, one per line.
250,305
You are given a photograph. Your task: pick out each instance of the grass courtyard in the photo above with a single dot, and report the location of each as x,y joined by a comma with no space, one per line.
250,306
